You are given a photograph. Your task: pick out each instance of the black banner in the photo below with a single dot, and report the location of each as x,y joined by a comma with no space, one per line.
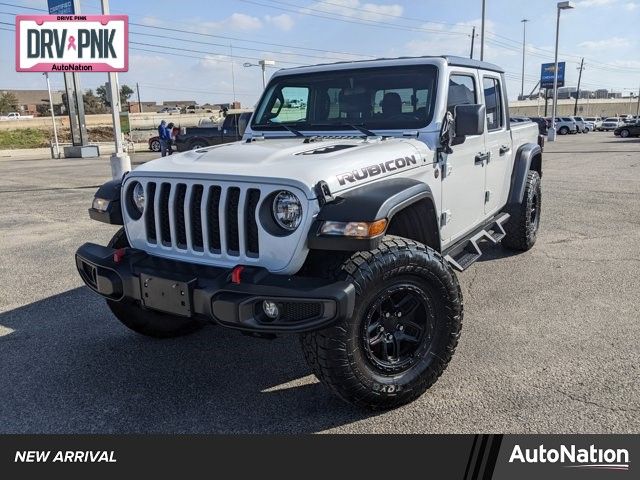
467,457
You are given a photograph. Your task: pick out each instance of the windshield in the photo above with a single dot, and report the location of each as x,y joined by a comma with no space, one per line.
375,98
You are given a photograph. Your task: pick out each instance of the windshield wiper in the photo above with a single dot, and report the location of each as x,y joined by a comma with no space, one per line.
282,125
358,127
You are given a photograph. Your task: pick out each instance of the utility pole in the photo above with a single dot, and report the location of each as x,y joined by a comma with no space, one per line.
524,42
233,75
482,31
575,107
473,37
638,107
139,102
120,161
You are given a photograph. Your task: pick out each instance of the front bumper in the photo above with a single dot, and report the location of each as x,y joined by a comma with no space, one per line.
190,290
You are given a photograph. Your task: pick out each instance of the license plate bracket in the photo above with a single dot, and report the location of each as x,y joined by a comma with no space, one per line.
166,295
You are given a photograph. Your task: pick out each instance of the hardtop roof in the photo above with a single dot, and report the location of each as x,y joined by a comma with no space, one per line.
449,59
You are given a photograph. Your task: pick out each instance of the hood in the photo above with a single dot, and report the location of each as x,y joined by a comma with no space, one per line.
341,163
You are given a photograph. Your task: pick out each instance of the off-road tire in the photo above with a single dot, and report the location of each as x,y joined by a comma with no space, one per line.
147,322
522,228
338,354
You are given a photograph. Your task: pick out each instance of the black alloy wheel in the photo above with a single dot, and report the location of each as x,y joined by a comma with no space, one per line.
398,328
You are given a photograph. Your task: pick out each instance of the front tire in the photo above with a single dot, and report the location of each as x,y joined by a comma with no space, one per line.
624,133
148,322
155,146
522,227
403,332
563,130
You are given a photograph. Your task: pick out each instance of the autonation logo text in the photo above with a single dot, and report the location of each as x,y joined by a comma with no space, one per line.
573,457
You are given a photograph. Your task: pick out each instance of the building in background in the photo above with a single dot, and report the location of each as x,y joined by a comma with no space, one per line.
36,102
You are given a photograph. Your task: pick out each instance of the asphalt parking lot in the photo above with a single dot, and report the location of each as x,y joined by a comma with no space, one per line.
550,342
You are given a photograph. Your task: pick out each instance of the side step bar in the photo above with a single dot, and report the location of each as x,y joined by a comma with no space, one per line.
465,252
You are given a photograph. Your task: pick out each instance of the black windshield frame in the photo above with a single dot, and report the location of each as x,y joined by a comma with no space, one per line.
415,113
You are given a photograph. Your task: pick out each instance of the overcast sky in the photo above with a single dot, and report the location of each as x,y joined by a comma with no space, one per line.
195,62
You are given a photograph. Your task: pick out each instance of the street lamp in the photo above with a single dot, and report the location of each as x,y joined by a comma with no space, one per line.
524,42
552,131
263,64
56,152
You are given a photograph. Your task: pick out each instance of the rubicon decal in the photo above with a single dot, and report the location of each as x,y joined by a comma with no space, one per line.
376,169
573,457
60,43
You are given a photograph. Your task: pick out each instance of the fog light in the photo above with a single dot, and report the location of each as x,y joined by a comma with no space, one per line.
270,309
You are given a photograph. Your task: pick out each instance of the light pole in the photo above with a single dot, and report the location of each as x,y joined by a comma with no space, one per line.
524,42
552,131
56,152
262,64
482,31
120,161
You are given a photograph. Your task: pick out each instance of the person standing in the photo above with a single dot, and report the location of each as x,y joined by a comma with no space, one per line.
172,137
165,138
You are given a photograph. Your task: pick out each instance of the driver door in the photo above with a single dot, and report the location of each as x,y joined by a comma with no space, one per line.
463,176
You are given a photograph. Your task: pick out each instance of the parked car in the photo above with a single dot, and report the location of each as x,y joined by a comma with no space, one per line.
597,121
16,116
582,128
170,110
611,123
154,142
197,109
318,227
231,130
543,124
628,130
566,125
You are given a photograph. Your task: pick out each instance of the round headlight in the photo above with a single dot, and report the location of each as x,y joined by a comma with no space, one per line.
138,196
287,210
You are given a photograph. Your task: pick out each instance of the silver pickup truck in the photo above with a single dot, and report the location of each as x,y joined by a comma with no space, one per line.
341,219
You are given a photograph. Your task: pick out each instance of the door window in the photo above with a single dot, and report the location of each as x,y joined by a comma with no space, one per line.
493,102
462,91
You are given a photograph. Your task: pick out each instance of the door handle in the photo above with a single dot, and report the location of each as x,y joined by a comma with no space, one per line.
504,149
481,157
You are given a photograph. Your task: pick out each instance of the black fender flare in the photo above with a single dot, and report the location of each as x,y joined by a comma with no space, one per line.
368,203
113,214
523,162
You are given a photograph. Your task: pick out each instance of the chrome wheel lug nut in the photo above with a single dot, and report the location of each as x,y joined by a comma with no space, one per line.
387,315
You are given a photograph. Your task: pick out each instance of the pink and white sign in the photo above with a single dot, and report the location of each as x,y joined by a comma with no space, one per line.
72,43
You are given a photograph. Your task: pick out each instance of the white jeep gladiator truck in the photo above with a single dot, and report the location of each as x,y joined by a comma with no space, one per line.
341,220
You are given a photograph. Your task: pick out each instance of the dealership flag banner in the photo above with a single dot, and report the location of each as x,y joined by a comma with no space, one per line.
72,43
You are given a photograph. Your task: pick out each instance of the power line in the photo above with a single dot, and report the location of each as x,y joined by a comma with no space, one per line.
372,23
364,10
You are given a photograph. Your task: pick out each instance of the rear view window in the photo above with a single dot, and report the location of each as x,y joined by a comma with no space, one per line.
493,101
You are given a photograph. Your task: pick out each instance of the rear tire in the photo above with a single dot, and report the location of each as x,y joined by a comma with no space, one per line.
522,227
624,133
382,358
155,146
148,322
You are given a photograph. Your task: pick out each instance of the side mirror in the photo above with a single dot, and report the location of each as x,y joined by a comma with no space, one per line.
469,120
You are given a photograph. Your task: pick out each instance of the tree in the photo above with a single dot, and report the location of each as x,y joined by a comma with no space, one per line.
93,104
9,102
125,94
43,109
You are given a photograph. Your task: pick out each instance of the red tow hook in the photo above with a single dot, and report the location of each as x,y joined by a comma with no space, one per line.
118,255
236,274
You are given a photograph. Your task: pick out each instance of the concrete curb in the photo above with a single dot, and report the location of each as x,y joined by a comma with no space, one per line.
105,149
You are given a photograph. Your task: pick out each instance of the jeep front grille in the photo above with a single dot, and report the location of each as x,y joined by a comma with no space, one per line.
202,217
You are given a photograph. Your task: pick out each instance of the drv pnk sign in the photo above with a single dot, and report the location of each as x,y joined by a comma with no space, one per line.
72,43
